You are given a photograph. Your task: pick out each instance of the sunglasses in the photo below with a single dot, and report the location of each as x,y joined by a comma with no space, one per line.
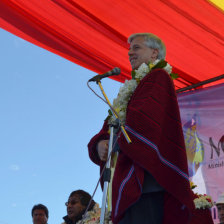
73,202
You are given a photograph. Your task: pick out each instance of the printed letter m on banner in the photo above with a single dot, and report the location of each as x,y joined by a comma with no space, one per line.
218,148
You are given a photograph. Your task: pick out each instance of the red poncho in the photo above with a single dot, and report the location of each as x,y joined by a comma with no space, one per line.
154,126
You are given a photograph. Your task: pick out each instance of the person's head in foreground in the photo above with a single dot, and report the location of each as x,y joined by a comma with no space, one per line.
220,206
145,48
76,206
39,214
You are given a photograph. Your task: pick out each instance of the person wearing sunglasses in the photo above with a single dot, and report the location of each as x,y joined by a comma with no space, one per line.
76,206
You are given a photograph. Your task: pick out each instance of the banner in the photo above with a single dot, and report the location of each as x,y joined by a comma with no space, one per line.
202,115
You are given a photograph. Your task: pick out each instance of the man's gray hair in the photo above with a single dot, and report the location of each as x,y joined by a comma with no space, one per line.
151,41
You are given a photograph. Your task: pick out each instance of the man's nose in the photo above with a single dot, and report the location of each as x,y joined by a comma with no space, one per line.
130,52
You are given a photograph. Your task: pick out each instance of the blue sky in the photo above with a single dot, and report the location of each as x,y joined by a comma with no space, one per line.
47,117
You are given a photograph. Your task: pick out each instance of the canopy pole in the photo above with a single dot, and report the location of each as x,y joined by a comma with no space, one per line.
200,83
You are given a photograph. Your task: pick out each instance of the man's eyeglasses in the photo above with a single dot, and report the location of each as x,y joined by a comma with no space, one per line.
73,202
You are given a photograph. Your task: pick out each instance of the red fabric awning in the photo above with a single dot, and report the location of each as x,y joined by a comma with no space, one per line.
93,33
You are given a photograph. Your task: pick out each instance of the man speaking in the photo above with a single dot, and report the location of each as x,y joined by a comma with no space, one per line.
150,184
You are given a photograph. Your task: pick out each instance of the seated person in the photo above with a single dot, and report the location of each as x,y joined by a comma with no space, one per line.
39,214
220,207
76,206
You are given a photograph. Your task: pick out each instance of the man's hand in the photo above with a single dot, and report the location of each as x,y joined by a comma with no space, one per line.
102,149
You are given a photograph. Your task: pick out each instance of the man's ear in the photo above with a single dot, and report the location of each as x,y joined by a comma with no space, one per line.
155,54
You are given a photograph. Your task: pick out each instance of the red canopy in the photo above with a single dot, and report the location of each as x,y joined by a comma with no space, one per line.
93,33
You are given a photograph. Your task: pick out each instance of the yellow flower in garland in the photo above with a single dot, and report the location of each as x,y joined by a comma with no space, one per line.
151,65
144,69
192,185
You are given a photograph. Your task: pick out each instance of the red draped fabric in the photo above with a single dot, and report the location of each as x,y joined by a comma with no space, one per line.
93,33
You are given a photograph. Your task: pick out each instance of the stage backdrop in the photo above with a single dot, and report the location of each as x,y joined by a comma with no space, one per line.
202,114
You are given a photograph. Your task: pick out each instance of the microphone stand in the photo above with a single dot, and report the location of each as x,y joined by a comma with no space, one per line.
107,171
114,113
106,177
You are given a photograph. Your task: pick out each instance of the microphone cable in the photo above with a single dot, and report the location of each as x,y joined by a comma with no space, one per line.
103,100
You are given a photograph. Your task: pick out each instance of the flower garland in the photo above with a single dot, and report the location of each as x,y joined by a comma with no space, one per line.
120,103
201,201
144,69
93,216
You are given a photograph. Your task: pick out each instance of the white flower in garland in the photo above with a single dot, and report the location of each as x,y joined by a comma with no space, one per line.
203,202
142,71
93,216
126,91
168,68
120,103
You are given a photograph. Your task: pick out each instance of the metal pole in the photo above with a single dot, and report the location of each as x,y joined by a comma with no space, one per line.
200,83
107,176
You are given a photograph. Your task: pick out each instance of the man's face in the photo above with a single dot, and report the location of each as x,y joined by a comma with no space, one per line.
39,217
139,53
74,207
221,212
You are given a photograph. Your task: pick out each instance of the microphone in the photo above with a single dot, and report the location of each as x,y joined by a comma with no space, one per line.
97,78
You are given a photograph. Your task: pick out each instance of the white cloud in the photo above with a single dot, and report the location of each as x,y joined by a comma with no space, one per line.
14,167
14,205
